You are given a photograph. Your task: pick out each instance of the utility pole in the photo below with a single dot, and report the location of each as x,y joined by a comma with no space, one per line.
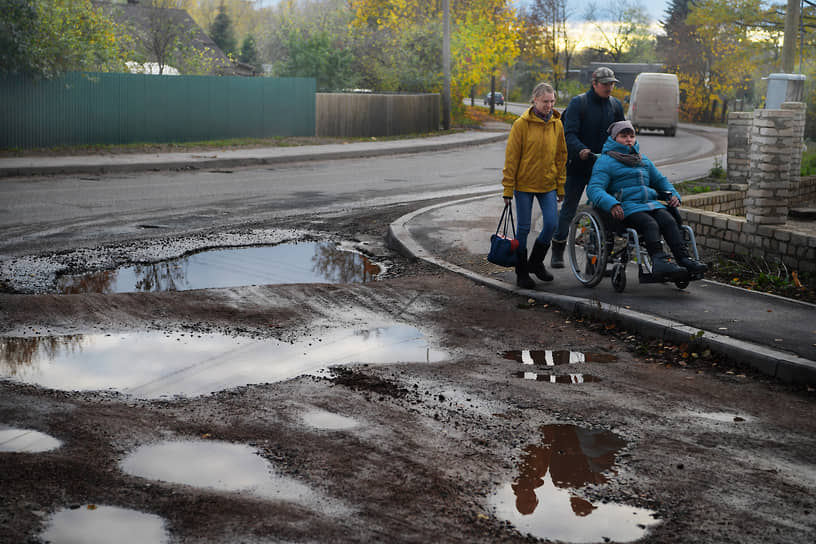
789,43
446,65
492,94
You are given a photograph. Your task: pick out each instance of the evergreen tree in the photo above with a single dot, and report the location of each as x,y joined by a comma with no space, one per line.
680,47
221,31
249,53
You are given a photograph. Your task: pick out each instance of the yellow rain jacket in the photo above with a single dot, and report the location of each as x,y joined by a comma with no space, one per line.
535,160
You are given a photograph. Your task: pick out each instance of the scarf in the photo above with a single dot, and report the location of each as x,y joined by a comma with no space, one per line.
541,115
629,159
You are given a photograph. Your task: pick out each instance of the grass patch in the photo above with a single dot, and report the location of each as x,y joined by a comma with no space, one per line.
809,162
476,116
697,186
758,274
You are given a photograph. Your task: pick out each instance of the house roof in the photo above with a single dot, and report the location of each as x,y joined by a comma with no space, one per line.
138,18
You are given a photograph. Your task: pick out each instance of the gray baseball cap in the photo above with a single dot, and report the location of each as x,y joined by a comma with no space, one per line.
602,74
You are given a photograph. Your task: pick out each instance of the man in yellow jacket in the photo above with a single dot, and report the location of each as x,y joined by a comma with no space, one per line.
535,167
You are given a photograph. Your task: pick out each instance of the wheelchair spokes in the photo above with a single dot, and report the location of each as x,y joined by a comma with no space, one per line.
587,248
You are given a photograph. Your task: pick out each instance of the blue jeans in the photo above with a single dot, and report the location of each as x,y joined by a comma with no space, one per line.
573,189
548,202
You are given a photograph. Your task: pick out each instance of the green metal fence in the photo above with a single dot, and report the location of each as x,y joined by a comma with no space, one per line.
107,108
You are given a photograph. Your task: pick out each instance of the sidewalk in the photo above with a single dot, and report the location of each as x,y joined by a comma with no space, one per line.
775,335
98,164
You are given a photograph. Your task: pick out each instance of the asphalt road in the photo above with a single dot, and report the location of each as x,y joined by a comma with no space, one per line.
51,212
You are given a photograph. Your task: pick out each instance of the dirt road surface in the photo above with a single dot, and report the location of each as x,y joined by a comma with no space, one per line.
716,453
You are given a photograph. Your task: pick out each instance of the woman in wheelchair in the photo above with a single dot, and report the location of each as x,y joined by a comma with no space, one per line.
627,185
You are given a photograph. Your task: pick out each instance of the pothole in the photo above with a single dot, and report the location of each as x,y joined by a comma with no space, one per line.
26,440
156,365
221,466
302,262
92,524
543,500
329,421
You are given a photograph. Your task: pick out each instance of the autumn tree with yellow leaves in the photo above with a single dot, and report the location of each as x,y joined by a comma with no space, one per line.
46,38
715,47
406,43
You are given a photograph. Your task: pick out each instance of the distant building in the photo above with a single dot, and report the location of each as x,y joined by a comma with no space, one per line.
151,68
142,20
626,72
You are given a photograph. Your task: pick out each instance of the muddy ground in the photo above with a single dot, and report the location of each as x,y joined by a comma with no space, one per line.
718,453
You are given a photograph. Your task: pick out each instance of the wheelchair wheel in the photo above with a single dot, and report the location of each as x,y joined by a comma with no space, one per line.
682,284
586,248
619,277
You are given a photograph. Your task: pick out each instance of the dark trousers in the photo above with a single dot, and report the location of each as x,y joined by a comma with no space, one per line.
651,224
573,190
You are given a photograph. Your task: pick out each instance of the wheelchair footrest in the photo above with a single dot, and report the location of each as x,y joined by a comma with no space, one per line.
643,277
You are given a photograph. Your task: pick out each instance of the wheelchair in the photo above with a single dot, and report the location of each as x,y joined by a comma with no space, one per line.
599,246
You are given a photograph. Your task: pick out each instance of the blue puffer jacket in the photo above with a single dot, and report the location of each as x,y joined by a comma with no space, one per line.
635,188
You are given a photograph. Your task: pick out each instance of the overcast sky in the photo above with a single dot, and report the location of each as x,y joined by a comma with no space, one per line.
656,8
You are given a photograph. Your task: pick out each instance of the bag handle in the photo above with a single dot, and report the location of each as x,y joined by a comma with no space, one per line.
503,221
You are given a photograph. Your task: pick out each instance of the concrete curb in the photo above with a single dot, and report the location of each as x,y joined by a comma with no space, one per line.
786,367
263,156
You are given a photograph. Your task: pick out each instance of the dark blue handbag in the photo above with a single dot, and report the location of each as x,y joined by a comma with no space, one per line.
503,249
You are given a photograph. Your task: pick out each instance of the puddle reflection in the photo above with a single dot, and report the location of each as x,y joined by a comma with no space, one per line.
305,262
542,502
153,365
222,466
19,352
557,357
558,378
26,440
93,524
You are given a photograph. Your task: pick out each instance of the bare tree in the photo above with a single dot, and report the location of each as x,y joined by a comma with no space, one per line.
162,33
620,24
550,16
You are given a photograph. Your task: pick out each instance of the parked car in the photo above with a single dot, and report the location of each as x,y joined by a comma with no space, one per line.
499,99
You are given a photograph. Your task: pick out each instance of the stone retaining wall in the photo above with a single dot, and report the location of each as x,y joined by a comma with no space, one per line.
719,224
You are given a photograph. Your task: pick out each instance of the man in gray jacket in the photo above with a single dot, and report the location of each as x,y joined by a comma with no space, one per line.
588,116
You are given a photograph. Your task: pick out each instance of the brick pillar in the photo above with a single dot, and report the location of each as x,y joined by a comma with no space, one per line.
799,109
772,135
739,146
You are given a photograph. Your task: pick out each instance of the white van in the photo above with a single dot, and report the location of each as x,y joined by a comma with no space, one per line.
654,102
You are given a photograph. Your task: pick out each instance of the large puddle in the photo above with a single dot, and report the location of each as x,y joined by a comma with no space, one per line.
551,357
221,466
26,440
154,364
571,378
544,501
303,262
92,524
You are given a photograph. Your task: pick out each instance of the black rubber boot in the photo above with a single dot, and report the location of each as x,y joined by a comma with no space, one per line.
536,261
693,266
664,267
557,259
523,278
